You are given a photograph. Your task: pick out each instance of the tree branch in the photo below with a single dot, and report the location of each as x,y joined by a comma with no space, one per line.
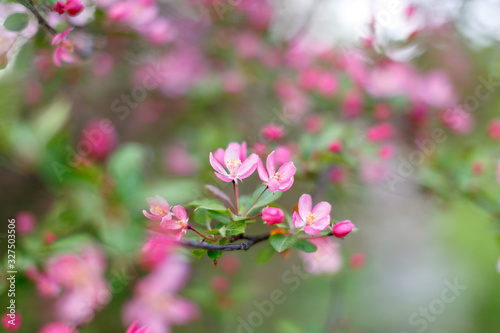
30,6
250,241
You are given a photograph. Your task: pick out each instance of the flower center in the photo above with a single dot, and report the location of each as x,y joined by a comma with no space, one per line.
160,210
68,45
277,176
310,218
233,164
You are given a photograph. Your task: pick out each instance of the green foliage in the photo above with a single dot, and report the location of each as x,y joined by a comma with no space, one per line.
233,228
16,22
306,246
282,242
265,254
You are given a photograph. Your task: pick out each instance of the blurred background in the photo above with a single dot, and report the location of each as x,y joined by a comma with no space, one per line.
389,110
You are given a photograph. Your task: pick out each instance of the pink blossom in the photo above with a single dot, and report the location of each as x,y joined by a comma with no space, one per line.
272,215
134,328
312,220
380,132
494,129
272,132
282,179
386,152
337,175
342,229
260,148
326,260
352,104
382,111
159,208
178,160
73,7
12,321
459,120
25,223
220,152
100,139
64,49
180,222
156,249
313,123
327,84
58,327
156,304
283,154
335,146
59,7
237,168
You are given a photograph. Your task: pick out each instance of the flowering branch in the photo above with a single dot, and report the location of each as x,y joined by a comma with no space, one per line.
251,241
41,20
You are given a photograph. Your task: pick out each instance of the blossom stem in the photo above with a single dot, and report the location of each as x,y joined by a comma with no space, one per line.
249,209
235,187
211,238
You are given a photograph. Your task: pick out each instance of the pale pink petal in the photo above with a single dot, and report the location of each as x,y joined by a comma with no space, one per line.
181,311
297,221
305,205
262,171
248,167
310,230
216,165
219,155
223,178
232,153
151,217
180,213
322,209
287,170
169,224
271,163
243,151
322,223
285,186
273,184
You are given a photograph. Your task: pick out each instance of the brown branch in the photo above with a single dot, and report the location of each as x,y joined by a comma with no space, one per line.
250,241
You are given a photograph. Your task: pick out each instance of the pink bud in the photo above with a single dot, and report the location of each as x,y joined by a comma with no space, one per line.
59,7
272,132
273,215
380,132
98,139
11,322
342,229
335,146
74,7
25,222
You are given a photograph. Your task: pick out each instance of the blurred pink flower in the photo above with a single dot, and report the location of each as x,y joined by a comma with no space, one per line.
459,120
59,7
25,222
272,215
64,48
337,175
342,229
178,160
313,123
134,328
155,303
382,111
236,167
327,259
12,321
357,260
494,129
73,7
352,104
260,148
312,220
283,154
386,152
380,132
335,146
272,132
282,179
477,167
156,249
58,327
100,139
180,222
159,208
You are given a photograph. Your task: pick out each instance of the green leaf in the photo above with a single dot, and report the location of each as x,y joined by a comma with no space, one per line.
306,246
209,204
16,22
218,216
233,228
213,232
265,254
286,326
214,254
266,198
200,216
198,253
282,242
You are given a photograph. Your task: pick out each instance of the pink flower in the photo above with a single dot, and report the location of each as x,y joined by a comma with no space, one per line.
327,259
25,223
59,7
337,175
272,132
58,327
386,152
380,132
74,7
313,220
335,147
237,167
313,123
260,148
180,221
156,249
159,208
280,180
357,260
283,154
134,328
11,321
273,215
100,139
342,229
64,49
494,129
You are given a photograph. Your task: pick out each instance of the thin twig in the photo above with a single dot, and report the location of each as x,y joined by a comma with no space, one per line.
41,20
248,211
251,241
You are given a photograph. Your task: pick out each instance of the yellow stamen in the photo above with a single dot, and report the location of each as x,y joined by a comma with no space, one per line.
310,218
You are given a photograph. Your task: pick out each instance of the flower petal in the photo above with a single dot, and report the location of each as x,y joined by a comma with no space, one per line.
151,217
263,175
243,151
322,209
321,223
248,167
271,163
285,186
180,212
216,165
223,178
169,224
305,205
273,184
309,229
297,221
232,153
219,155
287,170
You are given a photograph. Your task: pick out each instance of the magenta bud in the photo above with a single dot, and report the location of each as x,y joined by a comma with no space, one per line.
272,215
342,229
